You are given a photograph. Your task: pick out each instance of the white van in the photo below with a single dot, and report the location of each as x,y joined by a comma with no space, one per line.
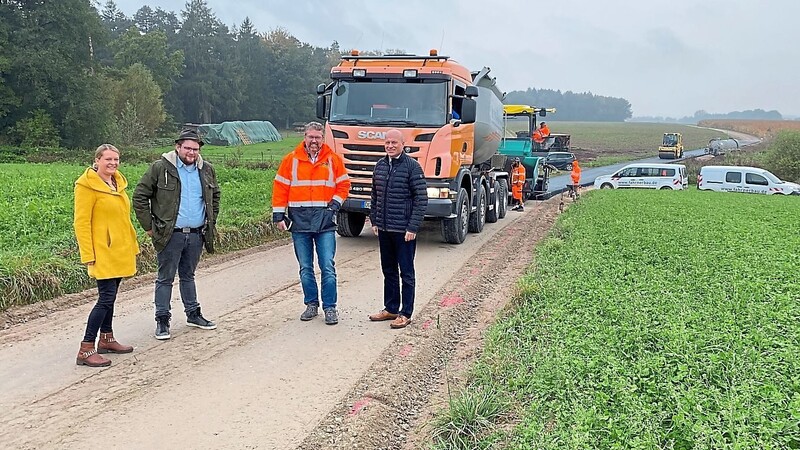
646,175
743,179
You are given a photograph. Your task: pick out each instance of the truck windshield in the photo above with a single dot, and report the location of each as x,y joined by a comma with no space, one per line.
389,103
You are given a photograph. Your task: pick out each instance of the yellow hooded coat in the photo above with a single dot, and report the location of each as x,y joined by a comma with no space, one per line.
103,226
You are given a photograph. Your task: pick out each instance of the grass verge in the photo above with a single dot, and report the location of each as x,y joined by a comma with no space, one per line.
652,320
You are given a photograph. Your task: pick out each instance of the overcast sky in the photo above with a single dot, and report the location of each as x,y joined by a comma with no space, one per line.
666,57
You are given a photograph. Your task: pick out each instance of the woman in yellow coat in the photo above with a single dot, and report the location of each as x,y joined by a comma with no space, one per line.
108,246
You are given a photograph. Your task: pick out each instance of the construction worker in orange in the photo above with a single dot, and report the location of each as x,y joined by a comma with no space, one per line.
575,174
540,135
517,183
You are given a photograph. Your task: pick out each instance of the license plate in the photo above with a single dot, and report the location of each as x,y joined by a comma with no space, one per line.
365,204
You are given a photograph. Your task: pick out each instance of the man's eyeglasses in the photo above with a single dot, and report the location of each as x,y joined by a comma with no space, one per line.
191,149
314,138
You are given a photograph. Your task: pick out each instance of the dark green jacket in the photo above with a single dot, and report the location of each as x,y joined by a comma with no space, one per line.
157,197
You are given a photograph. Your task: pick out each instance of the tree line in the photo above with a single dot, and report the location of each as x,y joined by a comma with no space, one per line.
583,106
74,75
750,114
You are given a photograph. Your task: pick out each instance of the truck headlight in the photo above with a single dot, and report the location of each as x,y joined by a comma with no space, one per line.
438,192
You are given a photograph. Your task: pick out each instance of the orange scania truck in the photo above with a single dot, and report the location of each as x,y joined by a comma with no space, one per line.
452,123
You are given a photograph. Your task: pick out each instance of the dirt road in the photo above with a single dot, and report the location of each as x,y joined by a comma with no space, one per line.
264,379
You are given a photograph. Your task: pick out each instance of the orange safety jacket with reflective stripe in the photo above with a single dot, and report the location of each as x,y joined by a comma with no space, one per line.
537,136
544,130
517,181
575,174
305,191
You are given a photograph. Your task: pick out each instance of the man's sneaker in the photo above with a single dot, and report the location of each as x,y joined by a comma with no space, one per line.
331,316
162,328
312,309
196,319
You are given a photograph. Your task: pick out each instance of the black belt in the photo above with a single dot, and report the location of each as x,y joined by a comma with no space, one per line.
187,230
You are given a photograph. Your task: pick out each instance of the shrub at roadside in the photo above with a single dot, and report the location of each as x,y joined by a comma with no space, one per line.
783,158
654,320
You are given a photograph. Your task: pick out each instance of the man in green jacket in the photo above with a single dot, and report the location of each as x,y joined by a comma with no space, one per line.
177,203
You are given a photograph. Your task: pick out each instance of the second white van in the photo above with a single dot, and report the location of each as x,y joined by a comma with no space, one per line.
743,179
646,175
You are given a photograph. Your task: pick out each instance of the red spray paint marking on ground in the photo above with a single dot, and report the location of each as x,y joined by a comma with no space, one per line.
358,406
475,271
451,300
427,324
405,351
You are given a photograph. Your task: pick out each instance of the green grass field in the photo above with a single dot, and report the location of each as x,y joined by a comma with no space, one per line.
600,143
38,253
650,320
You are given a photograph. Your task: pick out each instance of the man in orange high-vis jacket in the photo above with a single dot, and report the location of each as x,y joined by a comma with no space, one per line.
517,183
310,187
540,135
575,174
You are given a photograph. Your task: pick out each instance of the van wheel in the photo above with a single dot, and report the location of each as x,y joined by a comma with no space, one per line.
606,186
665,187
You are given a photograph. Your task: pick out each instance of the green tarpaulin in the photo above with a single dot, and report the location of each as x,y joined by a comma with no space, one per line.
238,132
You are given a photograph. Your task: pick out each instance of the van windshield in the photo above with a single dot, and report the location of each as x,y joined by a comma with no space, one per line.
772,177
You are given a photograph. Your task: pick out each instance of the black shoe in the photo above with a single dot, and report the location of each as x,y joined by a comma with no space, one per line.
196,319
162,328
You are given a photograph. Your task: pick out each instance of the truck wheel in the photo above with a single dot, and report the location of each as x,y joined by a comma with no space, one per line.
454,230
503,196
349,223
492,214
478,218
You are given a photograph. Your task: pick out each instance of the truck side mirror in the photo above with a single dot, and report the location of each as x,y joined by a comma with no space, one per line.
321,107
320,88
471,91
469,110
543,113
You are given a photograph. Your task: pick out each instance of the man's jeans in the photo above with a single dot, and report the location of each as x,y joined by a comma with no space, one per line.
325,243
181,255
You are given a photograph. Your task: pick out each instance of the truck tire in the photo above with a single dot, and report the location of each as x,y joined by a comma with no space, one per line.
477,219
492,214
454,230
503,196
350,223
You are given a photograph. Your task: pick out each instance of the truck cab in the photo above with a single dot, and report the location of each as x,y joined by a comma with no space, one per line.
450,119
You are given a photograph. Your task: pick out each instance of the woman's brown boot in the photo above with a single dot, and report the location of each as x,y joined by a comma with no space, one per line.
107,344
89,357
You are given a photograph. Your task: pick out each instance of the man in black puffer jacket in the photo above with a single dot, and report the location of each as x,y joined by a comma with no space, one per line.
399,201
